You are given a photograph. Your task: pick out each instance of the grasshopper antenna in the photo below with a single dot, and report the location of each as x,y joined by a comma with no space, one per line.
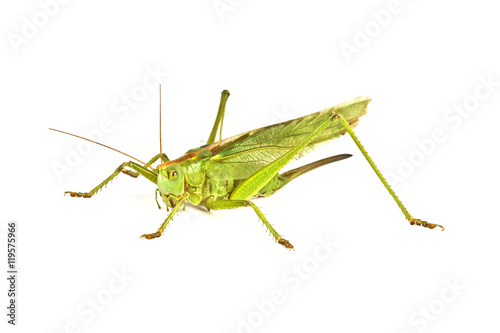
100,144
161,152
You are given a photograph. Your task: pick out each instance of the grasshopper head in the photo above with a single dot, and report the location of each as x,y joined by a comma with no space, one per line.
171,182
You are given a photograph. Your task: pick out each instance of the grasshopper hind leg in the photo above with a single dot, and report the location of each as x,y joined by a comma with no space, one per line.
411,219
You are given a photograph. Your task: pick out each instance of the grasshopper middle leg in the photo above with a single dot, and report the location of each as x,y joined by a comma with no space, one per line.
228,204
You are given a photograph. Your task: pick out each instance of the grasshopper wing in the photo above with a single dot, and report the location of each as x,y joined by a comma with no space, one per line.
242,155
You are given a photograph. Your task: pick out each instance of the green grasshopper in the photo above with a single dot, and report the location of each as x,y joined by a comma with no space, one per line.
229,173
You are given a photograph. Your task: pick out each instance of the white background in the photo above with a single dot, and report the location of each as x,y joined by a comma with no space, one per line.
279,60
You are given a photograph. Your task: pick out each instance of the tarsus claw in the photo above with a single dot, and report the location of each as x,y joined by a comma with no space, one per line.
78,194
285,243
130,173
425,224
151,236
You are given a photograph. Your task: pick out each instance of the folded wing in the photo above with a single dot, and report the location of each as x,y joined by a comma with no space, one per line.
240,156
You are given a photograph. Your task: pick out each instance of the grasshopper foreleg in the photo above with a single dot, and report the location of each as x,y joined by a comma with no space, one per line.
150,162
150,175
169,218
156,157
130,173
156,199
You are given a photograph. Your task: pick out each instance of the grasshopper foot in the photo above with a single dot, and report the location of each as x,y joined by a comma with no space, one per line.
425,224
78,194
151,236
131,173
285,243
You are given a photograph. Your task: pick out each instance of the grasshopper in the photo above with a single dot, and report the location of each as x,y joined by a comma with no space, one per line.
229,173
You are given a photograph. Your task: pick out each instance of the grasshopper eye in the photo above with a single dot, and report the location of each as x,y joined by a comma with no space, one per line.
173,175
171,180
